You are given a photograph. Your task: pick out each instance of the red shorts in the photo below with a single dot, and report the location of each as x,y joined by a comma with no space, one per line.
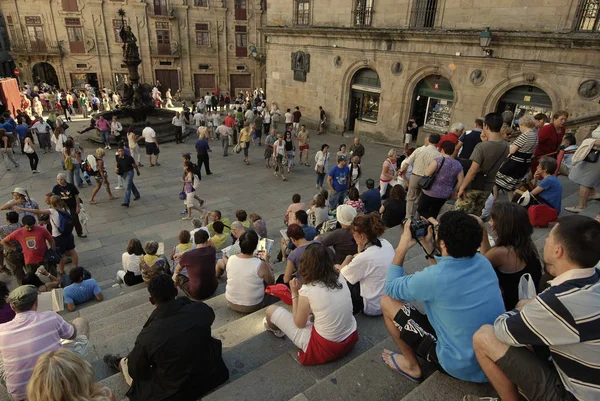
303,147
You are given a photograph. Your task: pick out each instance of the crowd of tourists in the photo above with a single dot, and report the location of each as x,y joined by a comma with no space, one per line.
495,309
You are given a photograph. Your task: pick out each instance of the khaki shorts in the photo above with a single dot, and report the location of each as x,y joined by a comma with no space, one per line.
78,345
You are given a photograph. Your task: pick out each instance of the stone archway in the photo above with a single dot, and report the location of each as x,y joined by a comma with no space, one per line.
45,72
343,101
363,103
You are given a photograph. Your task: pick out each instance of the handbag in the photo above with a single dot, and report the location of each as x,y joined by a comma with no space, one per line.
243,145
182,194
427,181
478,182
237,148
592,156
541,215
320,169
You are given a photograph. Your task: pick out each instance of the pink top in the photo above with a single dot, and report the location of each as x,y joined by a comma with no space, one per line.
23,340
291,212
390,169
103,125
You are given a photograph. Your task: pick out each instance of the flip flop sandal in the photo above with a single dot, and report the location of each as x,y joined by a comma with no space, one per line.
93,202
398,370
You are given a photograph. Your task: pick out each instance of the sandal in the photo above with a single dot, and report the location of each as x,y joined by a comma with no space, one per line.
113,198
93,202
396,368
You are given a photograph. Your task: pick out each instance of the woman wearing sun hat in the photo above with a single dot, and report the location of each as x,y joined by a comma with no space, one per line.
20,199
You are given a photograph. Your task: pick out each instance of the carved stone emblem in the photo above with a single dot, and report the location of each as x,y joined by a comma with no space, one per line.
589,89
300,65
337,61
477,77
397,68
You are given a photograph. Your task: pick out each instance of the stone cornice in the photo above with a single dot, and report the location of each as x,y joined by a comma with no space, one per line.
570,40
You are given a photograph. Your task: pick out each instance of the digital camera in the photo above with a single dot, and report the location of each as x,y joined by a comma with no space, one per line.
418,228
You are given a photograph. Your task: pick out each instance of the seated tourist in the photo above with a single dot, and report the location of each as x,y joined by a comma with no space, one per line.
6,312
215,215
242,217
131,274
31,333
197,225
174,356
80,290
563,320
290,213
64,375
195,272
393,210
569,146
460,292
371,197
298,238
237,229
247,276
341,239
367,270
259,225
301,218
354,200
185,244
318,212
323,292
514,254
152,264
549,188
220,240
43,280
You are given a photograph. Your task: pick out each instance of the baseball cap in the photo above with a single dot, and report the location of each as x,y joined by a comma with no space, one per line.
20,191
342,158
345,214
22,296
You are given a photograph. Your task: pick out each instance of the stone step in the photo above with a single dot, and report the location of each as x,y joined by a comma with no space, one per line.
441,386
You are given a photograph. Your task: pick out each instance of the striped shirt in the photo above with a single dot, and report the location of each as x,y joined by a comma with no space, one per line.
422,158
566,318
23,340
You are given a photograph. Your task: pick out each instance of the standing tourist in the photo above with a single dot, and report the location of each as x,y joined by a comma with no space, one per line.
355,173
296,119
338,182
420,159
468,141
43,130
134,149
125,166
72,162
357,148
30,152
69,194
12,257
322,164
289,151
278,155
244,141
152,148
587,175
20,199
275,115
59,137
322,120
202,149
388,172
453,136
189,187
104,127
101,177
303,140
224,132
486,160
6,142
412,129
178,127
116,129
266,116
269,145
169,97
549,138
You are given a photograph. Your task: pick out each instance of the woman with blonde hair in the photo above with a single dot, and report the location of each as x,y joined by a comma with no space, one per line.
62,375
101,177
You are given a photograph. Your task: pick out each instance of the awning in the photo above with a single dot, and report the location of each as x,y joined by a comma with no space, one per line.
434,86
527,95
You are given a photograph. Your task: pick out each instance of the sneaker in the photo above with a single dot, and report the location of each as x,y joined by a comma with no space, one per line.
276,332
136,198
112,361
478,398
125,204
574,209
186,218
118,187
105,146
184,211
34,172
201,202
108,147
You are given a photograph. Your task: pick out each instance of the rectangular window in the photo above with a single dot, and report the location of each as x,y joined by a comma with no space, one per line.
9,19
75,34
163,41
160,7
423,14
117,24
69,5
202,35
36,38
588,16
163,25
239,10
241,41
201,3
363,13
302,12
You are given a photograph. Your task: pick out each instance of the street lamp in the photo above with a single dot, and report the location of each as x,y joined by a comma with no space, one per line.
256,55
485,39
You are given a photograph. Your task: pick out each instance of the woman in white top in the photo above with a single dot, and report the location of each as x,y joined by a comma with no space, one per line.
116,128
366,271
322,291
134,148
247,276
318,212
131,274
322,164
278,155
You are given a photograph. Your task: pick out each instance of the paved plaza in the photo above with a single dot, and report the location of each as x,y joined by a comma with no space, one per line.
155,216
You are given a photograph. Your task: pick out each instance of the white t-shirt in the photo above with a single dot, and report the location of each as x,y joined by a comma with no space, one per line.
131,263
370,268
198,118
244,286
54,222
149,135
289,117
332,309
207,99
132,140
195,230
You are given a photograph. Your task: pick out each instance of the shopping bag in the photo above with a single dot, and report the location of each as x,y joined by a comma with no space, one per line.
526,287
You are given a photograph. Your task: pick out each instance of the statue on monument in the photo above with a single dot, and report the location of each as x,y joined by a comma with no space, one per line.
130,47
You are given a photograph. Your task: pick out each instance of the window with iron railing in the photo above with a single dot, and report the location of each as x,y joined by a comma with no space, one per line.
75,35
423,14
302,12
363,14
200,3
588,16
202,35
239,10
241,41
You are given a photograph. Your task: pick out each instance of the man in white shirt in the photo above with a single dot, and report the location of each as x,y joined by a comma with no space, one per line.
207,101
151,144
199,118
200,106
289,118
43,130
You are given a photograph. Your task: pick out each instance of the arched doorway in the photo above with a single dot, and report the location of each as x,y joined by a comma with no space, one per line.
433,99
364,97
46,73
525,99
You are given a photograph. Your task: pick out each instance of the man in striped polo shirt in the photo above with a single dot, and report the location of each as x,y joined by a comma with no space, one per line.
30,334
564,320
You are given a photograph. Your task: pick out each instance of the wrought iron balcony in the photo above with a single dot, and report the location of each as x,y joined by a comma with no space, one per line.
168,51
363,16
40,48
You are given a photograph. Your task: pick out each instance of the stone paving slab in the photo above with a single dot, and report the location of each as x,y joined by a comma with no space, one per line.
440,386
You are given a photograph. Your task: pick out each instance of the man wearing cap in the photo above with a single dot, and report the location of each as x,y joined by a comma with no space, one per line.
30,334
69,194
338,182
20,199
341,239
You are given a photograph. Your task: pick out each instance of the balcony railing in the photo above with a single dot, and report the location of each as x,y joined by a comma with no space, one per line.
162,11
170,51
363,16
41,48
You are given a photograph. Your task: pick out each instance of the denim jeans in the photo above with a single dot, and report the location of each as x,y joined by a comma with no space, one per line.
130,186
320,179
225,144
105,136
337,199
76,172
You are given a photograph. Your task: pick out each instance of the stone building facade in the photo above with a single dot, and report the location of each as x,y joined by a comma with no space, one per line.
192,45
375,63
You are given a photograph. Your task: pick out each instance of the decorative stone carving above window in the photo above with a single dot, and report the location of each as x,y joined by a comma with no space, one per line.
589,89
477,77
397,68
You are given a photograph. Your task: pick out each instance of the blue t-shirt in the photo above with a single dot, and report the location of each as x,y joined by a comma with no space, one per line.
552,192
372,200
339,177
21,130
202,147
310,233
460,296
82,292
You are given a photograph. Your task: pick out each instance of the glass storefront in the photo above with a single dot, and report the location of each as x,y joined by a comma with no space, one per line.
433,103
364,100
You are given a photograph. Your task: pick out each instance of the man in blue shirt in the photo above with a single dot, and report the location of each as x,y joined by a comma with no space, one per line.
371,197
460,291
202,149
549,188
338,182
21,130
81,290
